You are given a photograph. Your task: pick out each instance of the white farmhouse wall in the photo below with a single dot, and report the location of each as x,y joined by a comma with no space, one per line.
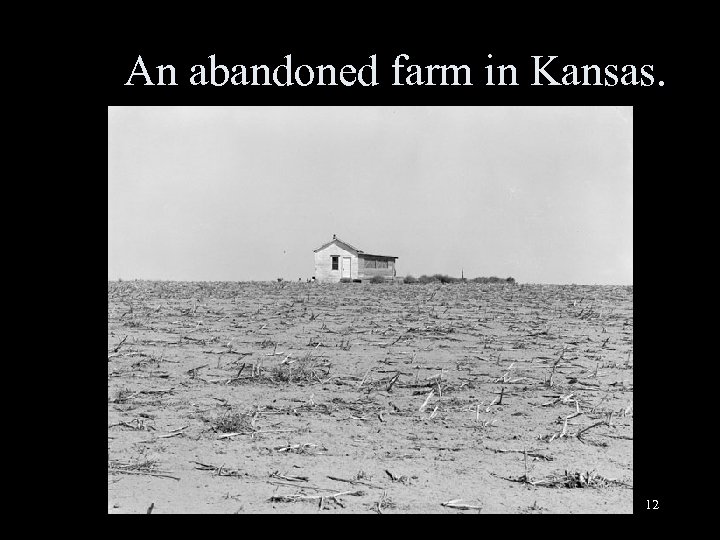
323,263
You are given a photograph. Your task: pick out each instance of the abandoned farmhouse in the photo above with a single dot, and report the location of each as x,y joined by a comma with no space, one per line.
336,260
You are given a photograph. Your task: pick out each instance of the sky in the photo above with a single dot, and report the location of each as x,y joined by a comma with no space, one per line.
540,194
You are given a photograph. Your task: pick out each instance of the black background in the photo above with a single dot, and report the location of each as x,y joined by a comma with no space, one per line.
661,136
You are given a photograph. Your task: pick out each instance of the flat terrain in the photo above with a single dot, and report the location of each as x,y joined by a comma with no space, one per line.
363,398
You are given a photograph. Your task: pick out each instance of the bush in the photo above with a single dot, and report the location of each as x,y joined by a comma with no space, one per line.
493,279
377,279
442,278
345,280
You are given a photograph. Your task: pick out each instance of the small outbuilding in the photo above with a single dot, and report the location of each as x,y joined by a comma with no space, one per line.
336,260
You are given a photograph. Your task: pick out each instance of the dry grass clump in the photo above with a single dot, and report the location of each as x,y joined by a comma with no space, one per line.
123,395
235,423
572,480
306,369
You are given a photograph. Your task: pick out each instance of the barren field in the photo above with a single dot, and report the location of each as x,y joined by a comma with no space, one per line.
363,398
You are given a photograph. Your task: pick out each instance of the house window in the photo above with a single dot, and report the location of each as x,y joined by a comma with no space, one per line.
382,264
369,263
335,262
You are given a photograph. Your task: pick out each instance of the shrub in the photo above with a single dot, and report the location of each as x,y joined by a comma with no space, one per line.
377,279
345,280
442,278
492,279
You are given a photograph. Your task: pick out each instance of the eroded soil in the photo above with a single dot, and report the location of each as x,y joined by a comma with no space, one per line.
362,398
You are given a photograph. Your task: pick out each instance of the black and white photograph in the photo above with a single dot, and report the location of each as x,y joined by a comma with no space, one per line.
370,309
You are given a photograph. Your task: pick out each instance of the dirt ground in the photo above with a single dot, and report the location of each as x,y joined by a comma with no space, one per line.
369,398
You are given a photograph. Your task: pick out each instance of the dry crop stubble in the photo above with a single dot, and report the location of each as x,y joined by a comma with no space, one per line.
459,389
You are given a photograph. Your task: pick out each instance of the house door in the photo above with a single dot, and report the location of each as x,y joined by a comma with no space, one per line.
346,267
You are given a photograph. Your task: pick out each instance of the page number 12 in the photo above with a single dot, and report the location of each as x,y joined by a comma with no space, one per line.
653,504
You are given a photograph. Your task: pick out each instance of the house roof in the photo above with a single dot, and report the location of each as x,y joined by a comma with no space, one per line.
336,239
360,252
378,256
